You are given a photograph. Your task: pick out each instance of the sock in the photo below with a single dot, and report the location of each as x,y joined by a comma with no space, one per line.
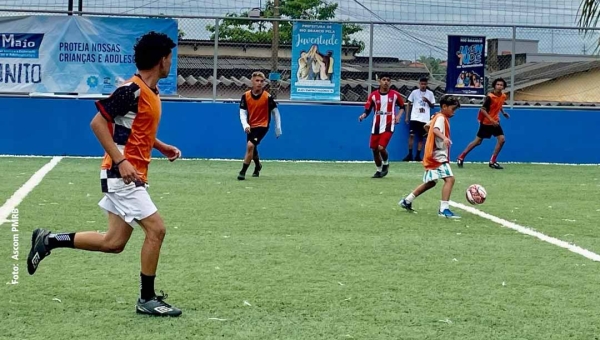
386,162
444,205
462,156
410,198
379,168
418,153
244,168
147,286
493,159
62,240
410,151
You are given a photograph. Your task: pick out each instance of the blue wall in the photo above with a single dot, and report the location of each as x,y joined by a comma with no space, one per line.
42,126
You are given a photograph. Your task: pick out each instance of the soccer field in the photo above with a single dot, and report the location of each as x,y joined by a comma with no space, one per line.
312,251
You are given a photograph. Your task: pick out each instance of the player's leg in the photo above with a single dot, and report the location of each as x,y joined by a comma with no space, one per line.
484,132
422,136
113,241
500,140
150,303
411,141
260,134
247,157
257,163
374,145
445,173
384,140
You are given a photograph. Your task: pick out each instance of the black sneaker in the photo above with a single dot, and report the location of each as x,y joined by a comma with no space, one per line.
418,158
408,158
257,170
38,251
495,165
377,175
156,307
241,176
460,162
384,170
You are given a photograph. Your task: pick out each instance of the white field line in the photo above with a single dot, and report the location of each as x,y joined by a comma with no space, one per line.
19,195
524,230
288,161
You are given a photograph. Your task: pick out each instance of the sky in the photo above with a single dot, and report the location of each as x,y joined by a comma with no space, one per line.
403,41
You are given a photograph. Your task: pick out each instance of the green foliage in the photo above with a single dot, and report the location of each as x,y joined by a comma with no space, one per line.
434,66
589,14
255,31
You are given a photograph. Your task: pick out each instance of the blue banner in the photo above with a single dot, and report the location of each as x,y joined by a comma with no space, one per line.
316,61
75,54
466,65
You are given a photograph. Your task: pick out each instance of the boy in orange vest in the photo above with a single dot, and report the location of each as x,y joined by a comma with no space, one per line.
436,158
489,123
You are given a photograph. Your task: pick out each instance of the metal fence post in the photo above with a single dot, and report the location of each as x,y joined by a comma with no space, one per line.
512,66
215,60
371,25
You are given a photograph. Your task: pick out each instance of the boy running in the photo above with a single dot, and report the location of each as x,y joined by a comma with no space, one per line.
436,158
489,123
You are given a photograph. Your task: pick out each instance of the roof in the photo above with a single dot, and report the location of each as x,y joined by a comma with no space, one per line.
233,72
535,73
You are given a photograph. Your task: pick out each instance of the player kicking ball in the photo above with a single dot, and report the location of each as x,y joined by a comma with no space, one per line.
436,158
256,108
489,124
383,101
126,127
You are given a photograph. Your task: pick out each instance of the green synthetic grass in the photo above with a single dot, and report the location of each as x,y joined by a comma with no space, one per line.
313,251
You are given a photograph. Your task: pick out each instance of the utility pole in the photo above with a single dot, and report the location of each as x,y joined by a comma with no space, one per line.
274,76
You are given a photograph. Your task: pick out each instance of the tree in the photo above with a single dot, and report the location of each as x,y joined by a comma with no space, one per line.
260,31
589,14
433,66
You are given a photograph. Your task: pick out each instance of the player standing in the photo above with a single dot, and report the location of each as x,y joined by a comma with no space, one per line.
436,158
489,123
420,103
126,127
256,108
383,101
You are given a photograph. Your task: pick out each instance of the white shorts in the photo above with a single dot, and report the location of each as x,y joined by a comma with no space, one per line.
441,172
130,204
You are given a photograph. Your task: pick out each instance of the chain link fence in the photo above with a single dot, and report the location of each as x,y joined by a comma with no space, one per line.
552,66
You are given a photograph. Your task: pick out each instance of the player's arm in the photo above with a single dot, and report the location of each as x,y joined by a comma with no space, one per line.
170,151
244,114
369,106
485,108
116,105
121,102
276,116
437,130
400,104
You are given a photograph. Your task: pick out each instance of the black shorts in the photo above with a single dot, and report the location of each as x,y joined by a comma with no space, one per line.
257,134
487,131
417,128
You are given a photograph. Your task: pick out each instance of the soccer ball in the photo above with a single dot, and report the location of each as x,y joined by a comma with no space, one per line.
476,194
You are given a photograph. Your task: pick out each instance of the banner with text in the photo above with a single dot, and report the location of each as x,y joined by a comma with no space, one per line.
316,61
466,65
73,54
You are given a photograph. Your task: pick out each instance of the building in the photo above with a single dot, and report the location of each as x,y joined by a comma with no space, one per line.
237,61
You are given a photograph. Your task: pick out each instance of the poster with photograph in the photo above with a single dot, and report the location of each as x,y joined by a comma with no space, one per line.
316,61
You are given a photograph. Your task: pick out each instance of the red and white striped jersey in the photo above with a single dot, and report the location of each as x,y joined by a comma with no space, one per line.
384,105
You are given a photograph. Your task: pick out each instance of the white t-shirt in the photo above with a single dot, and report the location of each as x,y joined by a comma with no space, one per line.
440,152
420,110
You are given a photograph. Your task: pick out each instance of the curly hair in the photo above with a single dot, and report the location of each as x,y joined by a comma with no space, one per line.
150,49
449,100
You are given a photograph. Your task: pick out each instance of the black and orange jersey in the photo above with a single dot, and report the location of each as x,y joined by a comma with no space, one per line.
133,112
258,108
492,104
